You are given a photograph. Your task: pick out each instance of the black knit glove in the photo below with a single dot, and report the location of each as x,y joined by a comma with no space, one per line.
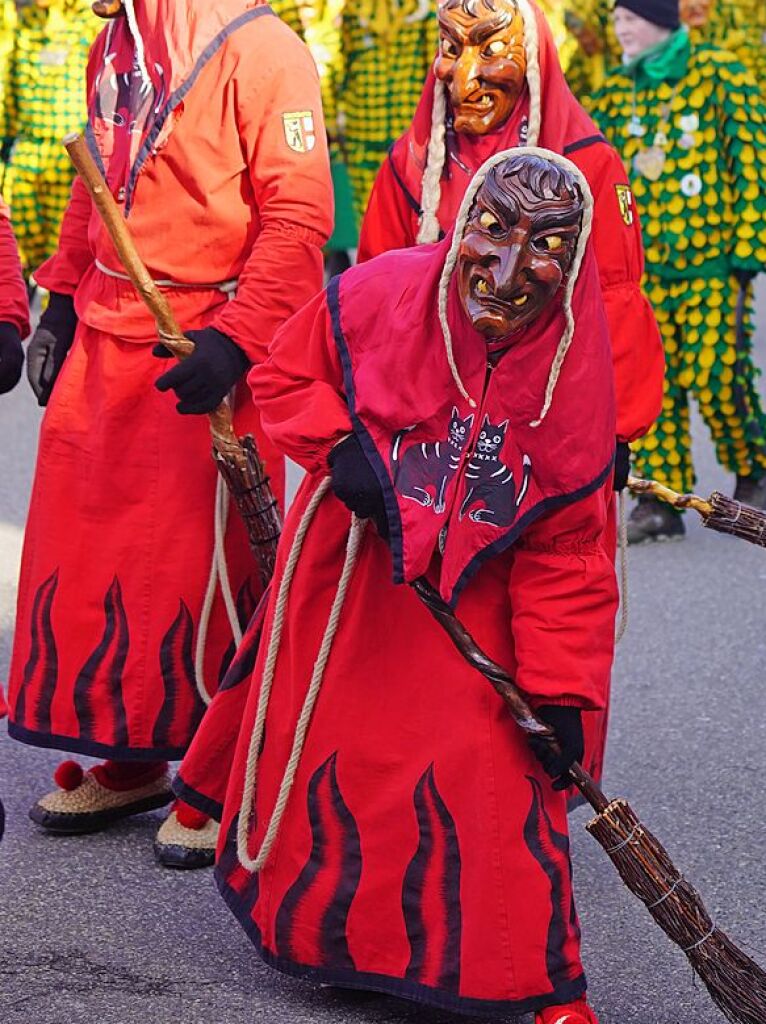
621,465
11,357
50,344
6,149
355,484
202,381
566,722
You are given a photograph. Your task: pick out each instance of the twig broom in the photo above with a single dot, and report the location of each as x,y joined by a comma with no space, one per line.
736,983
725,515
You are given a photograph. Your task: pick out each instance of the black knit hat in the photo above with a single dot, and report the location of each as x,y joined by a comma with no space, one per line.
660,12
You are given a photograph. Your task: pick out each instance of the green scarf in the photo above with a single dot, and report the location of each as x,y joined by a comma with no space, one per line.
664,62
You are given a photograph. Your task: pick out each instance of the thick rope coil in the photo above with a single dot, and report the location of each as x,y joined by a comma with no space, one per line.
248,795
623,543
219,574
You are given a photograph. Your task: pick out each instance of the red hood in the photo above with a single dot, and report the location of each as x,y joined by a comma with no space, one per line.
564,123
136,86
423,438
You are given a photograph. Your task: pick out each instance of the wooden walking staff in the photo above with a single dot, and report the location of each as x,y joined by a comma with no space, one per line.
236,458
718,512
735,982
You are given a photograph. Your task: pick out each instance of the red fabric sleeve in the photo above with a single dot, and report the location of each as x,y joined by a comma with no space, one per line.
637,352
389,221
564,599
293,191
14,306
299,388
65,268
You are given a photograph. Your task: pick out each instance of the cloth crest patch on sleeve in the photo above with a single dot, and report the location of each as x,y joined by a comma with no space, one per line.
625,201
299,130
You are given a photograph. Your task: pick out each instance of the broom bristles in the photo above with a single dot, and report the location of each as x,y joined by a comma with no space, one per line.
732,517
734,981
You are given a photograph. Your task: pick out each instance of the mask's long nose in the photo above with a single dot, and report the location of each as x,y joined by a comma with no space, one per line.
507,270
465,75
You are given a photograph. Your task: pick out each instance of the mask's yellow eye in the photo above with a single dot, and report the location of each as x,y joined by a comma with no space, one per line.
553,243
495,47
488,220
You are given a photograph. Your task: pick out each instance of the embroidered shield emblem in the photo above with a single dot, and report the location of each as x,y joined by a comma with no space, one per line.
299,131
625,201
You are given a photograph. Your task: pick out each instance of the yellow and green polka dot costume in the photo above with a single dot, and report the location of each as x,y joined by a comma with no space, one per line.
44,100
740,27
386,50
7,35
586,72
703,220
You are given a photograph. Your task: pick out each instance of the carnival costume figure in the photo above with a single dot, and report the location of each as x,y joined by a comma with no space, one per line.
387,826
691,126
43,100
135,585
738,26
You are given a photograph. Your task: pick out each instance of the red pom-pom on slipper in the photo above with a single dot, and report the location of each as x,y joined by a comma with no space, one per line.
190,817
68,775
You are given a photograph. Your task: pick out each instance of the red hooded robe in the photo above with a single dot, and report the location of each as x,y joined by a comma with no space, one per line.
210,133
423,852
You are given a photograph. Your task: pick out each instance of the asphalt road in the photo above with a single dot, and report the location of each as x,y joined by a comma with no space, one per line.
93,932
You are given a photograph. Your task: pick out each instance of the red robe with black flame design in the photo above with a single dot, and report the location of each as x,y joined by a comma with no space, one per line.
218,158
423,851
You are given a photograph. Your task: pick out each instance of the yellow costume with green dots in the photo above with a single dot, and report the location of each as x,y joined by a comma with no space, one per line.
589,24
386,50
7,34
740,27
693,143
44,100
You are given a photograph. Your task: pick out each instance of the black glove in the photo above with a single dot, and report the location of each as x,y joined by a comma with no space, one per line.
355,484
202,381
566,722
621,465
49,345
11,357
743,277
6,149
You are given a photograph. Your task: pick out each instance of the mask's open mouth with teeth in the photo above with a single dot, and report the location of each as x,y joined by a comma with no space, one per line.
483,291
479,100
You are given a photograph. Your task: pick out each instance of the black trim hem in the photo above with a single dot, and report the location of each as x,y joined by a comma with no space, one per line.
590,140
192,797
411,200
401,988
76,745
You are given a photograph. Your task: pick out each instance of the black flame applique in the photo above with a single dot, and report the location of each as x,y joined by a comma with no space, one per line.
431,893
98,687
41,669
231,873
551,850
182,707
246,605
311,921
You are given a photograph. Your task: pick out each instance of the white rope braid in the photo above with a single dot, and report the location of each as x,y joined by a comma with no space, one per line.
355,536
219,573
534,83
449,265
623,542
430,186
130,13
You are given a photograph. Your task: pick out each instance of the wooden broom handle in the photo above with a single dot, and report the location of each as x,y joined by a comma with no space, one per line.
170,333
504,684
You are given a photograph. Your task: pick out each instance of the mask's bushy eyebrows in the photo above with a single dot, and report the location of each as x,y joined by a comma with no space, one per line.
473,8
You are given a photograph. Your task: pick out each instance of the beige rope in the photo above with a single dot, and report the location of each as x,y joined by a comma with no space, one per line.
355,536
623,542
219,573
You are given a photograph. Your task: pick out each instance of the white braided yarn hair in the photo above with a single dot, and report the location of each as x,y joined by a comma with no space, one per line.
130,14
430,188
451,261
